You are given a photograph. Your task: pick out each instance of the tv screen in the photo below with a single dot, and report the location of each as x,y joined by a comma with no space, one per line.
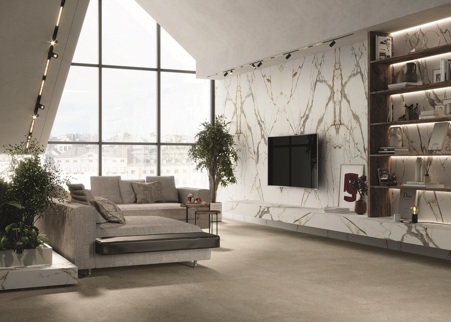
293,161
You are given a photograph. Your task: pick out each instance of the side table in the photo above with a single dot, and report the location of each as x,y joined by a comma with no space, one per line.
211,215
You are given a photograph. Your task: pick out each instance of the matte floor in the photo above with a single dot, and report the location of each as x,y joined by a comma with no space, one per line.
259,274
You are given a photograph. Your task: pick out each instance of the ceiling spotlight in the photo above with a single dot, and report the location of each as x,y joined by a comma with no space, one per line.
253,65
259,63
226,73
332,43
231,72
54,55
288,56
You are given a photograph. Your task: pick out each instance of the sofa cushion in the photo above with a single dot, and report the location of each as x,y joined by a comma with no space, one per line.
108,210
147,192
145,225
168,189
106,187
127,192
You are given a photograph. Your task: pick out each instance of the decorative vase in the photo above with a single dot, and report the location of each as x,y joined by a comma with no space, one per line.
360,207
395,136
411,73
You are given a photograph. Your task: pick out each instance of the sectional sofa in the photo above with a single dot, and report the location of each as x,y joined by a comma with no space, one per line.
74,227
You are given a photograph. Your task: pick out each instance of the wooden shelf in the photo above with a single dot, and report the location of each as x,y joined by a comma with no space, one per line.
434,120
445,189
412,89
414,55
384,155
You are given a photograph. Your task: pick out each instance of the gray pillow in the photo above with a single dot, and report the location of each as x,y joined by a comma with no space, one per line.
106,187
127,192
168,189
147,192
79,194
108,210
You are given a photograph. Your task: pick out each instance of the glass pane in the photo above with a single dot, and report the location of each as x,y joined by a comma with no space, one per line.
185,103
78,112
87,50
129,34
175,162
129,161
79,161
174,56
129,106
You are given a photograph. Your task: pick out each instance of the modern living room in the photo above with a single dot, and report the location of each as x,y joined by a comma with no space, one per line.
272,68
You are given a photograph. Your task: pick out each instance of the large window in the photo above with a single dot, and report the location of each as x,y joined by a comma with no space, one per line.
132,104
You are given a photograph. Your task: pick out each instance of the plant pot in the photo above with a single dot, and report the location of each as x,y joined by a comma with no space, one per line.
37,256
360,207
217,206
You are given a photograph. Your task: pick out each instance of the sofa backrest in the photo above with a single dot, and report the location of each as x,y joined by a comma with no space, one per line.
168,192
107,187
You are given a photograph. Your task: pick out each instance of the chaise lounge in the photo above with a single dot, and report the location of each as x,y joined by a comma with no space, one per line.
80,232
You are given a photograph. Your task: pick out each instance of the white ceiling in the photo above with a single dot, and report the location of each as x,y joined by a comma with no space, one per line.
227,34
219,34
26,28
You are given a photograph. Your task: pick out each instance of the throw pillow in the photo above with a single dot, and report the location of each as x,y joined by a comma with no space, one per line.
78,193
168,190
147,192
108,210
127,192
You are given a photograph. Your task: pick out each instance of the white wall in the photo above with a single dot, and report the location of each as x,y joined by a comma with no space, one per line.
325,94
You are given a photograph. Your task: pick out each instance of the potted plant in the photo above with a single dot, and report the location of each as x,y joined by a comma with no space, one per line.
360,185
26,192
214,150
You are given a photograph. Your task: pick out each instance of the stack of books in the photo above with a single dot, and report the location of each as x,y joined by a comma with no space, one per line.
431,114
421,184
393,150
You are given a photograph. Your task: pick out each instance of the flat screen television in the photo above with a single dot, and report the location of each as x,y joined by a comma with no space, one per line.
293,161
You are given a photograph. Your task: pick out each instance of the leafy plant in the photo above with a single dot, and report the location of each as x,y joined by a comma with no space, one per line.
215,152
31,186
360,185
18,237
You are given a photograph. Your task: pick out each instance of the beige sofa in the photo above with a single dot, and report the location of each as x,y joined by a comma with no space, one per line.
72,227
121,192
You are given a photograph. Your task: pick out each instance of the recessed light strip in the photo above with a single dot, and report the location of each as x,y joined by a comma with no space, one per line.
395,33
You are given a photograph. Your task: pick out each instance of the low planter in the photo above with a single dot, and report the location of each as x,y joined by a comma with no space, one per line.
41,255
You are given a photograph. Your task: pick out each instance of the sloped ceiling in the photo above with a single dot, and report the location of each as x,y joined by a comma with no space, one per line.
230,34
26,29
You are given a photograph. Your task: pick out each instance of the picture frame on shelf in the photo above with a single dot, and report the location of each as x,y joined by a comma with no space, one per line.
347,194
436,75
384,47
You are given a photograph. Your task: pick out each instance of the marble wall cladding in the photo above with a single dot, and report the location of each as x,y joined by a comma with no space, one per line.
325,94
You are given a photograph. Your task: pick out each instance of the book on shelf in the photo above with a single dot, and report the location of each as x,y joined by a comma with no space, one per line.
439,132
431,114
384,47
422,184
339,210
404,84
393,150
444,69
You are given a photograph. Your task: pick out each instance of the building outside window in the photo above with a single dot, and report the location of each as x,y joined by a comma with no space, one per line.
132,104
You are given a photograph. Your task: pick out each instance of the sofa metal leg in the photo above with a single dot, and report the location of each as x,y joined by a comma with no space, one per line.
194,264
84,273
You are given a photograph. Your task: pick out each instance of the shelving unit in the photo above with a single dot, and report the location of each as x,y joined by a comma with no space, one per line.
380,74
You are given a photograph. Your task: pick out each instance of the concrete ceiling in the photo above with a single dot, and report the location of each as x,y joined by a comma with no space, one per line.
230,34
26,28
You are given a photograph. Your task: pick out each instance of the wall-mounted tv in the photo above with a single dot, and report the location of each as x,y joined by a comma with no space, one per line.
293,161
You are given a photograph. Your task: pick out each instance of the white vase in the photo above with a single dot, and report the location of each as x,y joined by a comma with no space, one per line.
41,255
